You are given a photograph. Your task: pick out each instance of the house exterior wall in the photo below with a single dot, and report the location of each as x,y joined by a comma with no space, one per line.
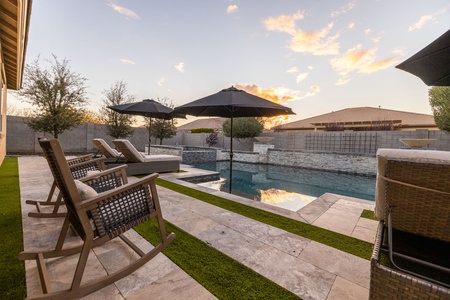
3,124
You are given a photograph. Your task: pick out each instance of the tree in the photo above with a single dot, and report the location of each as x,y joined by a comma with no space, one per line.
117,125
439,97
56,95
243,128
162,129
212,139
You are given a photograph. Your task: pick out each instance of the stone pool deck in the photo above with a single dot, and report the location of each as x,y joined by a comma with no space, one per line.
307,268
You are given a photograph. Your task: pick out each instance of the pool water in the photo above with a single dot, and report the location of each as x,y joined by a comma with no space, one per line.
287,187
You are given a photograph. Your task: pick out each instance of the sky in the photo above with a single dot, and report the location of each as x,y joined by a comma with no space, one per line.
313,56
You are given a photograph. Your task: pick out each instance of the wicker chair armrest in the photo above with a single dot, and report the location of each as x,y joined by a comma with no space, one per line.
80,170
79,159
107,180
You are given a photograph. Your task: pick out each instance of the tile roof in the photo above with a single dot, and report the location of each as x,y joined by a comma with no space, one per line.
363,116
215,123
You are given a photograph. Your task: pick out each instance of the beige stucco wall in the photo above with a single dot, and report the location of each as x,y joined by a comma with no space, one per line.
2,114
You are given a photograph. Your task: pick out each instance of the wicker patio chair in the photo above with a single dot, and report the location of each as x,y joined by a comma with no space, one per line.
413,205
139,163
97,218
79,166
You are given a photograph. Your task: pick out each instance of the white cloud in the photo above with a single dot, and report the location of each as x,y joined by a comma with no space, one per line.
422,21
310,68
292,70
180,67
161,81
349,6
124,11
127,61
232,8
351,25
301,77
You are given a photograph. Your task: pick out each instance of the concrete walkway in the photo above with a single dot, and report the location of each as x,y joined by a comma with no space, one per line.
307,268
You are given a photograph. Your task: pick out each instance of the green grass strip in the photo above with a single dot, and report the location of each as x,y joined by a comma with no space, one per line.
369,214
336,240
12,275
223,276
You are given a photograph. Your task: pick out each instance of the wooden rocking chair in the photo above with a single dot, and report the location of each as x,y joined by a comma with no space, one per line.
79,166
97,219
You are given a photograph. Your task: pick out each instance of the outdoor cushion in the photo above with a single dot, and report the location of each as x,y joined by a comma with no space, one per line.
84,190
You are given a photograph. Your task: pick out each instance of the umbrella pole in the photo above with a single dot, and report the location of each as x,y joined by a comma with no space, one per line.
231,155
149,136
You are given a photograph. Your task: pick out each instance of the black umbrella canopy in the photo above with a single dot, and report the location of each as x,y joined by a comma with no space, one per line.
432,63
233,103
147,108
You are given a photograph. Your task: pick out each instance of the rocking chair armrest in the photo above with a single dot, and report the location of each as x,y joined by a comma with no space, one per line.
91,203
118,169
78,159
98,161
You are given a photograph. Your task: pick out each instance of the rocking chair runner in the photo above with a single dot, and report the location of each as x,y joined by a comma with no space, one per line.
79,166
97,219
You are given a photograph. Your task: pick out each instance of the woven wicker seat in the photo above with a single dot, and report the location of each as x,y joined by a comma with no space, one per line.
97,220
79,167
413,205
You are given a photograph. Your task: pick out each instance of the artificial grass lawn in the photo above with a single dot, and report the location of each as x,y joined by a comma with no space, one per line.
223,276
327,237
368,214
12,275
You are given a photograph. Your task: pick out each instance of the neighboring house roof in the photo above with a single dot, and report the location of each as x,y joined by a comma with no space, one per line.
215,123
362,117
14,25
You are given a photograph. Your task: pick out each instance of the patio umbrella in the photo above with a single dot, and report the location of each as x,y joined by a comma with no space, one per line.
147,108
432,63
233,103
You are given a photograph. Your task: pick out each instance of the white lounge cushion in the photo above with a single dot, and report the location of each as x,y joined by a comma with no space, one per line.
85,191
161,157
384,154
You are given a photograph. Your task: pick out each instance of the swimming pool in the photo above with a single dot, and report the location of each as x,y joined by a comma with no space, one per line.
287,187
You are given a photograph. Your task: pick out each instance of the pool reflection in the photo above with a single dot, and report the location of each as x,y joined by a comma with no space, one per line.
286,186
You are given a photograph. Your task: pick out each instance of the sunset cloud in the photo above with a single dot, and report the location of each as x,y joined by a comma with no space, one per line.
180,67
124,11
292,70
318,42
351,26
232,8
277,95
127,61
314,90
283,23
361,60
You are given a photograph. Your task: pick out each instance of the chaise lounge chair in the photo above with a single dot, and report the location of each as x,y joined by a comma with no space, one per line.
97,218
413,205
109,153
139,163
